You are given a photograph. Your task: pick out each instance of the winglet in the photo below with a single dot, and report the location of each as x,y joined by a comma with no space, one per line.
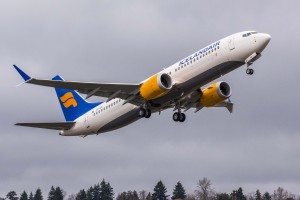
23,74
229,105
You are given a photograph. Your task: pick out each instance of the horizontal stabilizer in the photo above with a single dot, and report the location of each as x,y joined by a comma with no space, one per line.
53,126
23,74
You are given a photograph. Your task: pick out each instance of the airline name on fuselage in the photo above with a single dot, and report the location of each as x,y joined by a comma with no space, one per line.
202,51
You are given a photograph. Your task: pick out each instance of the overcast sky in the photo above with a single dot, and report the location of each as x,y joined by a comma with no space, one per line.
126,41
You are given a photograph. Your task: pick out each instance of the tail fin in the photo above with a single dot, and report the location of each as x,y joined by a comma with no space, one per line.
72,104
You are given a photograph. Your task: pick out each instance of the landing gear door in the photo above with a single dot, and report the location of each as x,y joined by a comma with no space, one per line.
231,43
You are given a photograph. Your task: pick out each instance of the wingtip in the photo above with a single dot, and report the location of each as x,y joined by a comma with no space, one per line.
22,73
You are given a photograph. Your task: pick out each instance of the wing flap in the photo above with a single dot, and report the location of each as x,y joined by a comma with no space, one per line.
52,125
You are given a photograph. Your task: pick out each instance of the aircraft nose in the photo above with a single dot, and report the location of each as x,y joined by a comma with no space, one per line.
264,40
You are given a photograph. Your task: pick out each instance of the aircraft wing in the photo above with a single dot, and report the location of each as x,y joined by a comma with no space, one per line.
52,126
110,90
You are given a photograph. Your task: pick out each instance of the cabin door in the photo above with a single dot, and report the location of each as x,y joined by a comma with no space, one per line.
231,43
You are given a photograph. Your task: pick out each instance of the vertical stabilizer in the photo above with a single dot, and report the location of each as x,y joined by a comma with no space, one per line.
72,104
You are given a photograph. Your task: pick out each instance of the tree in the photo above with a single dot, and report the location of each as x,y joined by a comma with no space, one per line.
12,195
24,196
72,197
51,194
205,191
38,195
160,192
223,196
143,195
258,195
240,195
128,196
179,191
89,193
107,192
30,196
81,195
280,194
267,196
191,197
149,196
58,194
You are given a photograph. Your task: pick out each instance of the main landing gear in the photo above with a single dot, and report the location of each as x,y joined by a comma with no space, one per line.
179,117
145,113
249,71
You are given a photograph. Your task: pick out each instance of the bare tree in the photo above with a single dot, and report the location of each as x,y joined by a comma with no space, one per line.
280,194
191,197
143,195
205,190
72,197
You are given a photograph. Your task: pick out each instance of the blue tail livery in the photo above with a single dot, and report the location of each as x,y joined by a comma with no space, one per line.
72,104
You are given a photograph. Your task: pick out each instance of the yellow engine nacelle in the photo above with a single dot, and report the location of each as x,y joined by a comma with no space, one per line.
156,86
215,94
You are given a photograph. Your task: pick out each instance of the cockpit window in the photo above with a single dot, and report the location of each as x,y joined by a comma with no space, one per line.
248,34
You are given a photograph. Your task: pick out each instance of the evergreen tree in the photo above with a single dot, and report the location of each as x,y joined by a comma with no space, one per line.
240,195
30,196
160,192
97,192
24,196
12,195
81,195
149,196
258,195
179,192
135,195
51,194
38,195
267,196
58,194
106,191
89,193
122,196
223,196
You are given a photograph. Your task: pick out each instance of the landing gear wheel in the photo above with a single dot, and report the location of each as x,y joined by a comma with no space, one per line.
182,117
142,112
176,117
148,113
249,71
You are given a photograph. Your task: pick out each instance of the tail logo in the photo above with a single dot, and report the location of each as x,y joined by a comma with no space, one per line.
68,100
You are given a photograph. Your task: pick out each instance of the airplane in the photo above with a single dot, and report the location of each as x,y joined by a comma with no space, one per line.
177,87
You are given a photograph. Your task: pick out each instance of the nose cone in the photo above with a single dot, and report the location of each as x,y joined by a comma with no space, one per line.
266,38
263,40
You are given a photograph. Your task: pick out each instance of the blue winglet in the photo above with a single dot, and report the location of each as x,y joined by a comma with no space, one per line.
23,74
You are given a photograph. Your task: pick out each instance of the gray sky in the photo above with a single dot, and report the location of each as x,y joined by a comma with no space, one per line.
126,41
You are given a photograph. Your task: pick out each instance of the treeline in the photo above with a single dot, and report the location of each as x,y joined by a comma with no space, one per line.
104,191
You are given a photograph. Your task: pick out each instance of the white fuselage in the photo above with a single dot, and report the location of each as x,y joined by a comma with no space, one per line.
188,74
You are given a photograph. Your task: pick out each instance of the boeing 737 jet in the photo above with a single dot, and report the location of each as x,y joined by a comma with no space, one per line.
178,87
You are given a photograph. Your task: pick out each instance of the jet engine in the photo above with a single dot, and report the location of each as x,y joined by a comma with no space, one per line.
215,93
156,86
